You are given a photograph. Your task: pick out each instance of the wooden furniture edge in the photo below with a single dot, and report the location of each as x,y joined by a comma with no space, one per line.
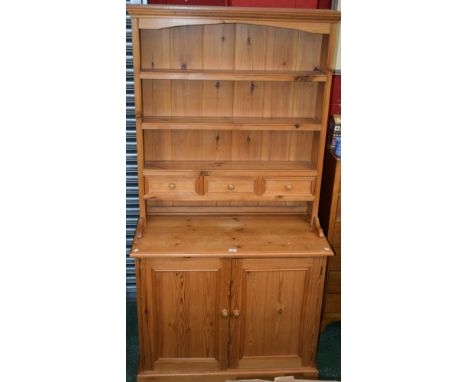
258,13
283,255
148,376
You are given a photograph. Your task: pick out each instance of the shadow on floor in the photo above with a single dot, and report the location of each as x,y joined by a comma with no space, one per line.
328,355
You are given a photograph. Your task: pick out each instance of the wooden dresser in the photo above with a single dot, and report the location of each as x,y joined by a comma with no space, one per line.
229,252
330,216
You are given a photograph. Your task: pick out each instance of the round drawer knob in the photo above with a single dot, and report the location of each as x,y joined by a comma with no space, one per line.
231,187
172,186
236,313
288,187
224,313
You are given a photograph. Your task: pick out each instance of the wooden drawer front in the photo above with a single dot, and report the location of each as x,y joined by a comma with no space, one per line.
289,187
171,185
229,185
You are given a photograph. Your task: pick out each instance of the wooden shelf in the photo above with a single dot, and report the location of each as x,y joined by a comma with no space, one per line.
230,123
230,236
233,75
282,168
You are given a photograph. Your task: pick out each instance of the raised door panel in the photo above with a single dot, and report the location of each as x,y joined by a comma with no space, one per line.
275,307
182,301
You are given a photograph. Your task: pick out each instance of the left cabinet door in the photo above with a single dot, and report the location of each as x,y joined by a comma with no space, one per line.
183,313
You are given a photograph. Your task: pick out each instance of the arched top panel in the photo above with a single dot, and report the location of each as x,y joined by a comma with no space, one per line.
230,46
160,23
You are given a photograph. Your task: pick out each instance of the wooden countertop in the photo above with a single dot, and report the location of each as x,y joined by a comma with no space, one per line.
230,237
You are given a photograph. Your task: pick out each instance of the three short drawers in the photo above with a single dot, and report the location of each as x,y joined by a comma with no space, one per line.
214,187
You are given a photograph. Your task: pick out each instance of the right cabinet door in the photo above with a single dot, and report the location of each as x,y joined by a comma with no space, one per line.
275,312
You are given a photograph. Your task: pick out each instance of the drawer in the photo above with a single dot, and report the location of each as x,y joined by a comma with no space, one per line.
171,186
226,186
289,186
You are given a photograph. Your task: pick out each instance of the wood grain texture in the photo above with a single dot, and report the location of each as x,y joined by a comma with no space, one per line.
273,298
211,236
231,107
138,115
230,51
229,123
223,375
186,42
219,46
207,12
234,75
229,145
184,299
155,45
278,168
246,99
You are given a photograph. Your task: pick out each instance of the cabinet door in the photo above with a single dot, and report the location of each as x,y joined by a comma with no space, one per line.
275,305
182,321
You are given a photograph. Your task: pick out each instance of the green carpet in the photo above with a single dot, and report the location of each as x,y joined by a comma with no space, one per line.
132,341
328,355
329,352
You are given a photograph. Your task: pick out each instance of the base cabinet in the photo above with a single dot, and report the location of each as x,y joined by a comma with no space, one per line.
211,314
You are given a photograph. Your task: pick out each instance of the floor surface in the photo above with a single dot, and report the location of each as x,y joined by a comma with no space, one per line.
328,356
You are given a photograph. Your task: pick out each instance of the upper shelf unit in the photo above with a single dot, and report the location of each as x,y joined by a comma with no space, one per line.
234,75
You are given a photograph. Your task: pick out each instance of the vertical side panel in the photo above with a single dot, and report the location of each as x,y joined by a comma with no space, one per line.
218,46
138,114
327,61
311,312
145,361
146,308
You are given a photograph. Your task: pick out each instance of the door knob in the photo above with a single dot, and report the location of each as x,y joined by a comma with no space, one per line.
288,187
172,186
236,313
224,313
231,187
